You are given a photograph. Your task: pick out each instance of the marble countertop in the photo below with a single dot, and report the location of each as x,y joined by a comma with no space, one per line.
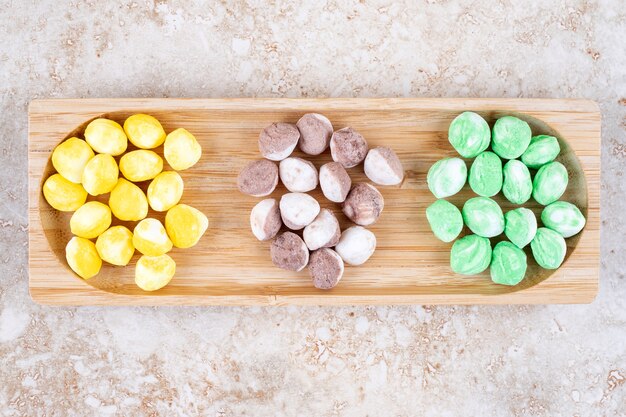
293,361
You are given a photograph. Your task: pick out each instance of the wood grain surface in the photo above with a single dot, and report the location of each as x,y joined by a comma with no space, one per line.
230,267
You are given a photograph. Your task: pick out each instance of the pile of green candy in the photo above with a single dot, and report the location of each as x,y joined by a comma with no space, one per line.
511,140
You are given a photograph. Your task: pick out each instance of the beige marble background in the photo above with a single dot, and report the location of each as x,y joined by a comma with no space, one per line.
350,361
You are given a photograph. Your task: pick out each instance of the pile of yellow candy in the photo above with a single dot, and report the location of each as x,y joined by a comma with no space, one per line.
88,167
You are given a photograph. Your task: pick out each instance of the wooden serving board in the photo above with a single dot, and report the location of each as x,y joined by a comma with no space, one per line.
230,267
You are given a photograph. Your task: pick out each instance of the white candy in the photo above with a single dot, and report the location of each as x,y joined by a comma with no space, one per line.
356,245
298,175
335,182
298,210
265,219
323,232
383,166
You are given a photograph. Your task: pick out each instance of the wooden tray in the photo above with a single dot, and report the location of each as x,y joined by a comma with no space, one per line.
230,267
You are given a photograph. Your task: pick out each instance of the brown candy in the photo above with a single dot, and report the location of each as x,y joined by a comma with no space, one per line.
326,268
364,204
278,140
288,251
315,133
348,147
258,178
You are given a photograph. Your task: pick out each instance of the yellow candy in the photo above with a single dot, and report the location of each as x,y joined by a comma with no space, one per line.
181,149
82,257
165,191
70,157
115,246
62,194
100,174
144,131
141,165
106,136
150,238
91,220
128,202
185,225
154,272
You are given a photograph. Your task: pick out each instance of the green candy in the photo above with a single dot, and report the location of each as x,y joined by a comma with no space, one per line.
485,176
542,149
520,226
445,220
446,177
470,255
510,137
517,186
508,264
483,216
469,134
548,248
550,183
563,217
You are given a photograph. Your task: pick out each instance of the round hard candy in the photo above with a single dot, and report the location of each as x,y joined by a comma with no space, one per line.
470,255
445,220
548,248
483,216
334,181
510,137
508,264
563,217
278,140
542,149
550,183
326,268
364,204
315,133
446,177
265,220
356,245
520,226
383,166
70,157
348,147
469,134
258,178
517,186
288,251
485,176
